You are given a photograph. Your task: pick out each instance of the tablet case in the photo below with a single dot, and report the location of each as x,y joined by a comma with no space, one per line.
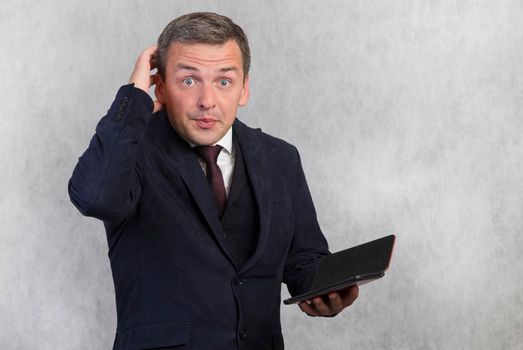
356,265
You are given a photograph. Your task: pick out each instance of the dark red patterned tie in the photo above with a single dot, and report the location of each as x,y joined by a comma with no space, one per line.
209,154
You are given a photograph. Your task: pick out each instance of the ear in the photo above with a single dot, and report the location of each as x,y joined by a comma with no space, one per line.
159,89
244,97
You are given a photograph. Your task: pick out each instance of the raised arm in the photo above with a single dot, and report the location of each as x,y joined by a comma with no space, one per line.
106,182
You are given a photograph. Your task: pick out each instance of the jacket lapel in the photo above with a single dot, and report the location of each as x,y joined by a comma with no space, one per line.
256,164
181,157
239,177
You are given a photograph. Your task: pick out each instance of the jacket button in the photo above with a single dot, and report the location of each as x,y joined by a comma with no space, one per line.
240,282
243,333
118,116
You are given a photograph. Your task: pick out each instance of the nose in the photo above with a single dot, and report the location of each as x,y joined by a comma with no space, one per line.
206,99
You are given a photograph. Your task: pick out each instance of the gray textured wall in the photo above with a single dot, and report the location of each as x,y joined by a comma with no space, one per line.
408,115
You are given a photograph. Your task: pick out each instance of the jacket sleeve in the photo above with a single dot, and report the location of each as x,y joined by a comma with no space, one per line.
308,245
106,182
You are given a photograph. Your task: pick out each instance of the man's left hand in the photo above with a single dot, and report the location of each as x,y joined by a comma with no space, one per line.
330,304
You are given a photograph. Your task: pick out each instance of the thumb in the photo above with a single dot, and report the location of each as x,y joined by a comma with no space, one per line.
157,106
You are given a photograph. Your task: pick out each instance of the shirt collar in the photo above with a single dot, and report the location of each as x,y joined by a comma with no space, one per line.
226,141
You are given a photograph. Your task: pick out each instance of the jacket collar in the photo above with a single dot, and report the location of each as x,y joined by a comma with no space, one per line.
180,156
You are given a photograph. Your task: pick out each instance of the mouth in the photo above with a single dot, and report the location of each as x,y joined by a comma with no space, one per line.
205,122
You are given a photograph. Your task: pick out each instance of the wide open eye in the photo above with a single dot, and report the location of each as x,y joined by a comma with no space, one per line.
224,82
188,81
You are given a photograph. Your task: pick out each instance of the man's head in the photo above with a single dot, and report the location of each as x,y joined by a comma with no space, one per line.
203,63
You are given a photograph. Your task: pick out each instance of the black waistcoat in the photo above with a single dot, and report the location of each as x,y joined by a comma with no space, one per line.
240,219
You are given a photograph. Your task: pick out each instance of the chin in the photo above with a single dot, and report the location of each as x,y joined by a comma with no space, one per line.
204,139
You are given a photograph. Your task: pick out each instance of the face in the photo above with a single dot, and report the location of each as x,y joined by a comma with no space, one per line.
202,89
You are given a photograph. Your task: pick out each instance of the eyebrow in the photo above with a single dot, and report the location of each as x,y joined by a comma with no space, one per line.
229,69
181,66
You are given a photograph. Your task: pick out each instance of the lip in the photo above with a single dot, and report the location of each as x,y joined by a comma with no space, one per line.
205,123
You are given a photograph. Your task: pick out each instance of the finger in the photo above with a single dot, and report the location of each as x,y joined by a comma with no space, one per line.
147,55
150,51
154,79
154,62
335,303
321,306
350,295
308,309
157,106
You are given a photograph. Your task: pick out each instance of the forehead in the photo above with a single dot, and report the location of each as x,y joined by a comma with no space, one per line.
203,56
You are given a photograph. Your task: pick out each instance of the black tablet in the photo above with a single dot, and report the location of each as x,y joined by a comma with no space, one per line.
357,265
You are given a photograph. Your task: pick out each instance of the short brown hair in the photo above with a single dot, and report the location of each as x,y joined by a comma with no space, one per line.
202,28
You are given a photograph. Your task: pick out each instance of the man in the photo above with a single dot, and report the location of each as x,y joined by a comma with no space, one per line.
205,217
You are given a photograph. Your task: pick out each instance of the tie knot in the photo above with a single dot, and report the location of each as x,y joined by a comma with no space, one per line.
209,154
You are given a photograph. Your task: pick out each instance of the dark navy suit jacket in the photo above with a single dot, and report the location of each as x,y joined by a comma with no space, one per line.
176,285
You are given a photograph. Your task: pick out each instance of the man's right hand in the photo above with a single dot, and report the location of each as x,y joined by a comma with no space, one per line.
142,77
